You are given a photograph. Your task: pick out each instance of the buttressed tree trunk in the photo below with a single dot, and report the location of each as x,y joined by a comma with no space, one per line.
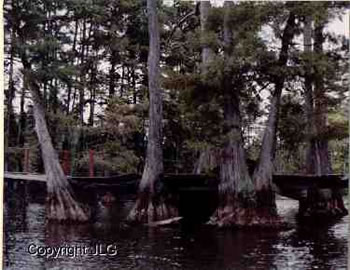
263,173
151,205
321,163
61,203
236,189
323,202
318,160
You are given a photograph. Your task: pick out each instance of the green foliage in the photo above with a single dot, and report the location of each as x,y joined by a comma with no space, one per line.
113,159
90,57
292,126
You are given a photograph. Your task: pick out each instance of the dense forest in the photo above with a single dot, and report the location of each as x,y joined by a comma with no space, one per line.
241,91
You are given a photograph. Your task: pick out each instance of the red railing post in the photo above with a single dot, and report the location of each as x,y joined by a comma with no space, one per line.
66,162
26,160
91,163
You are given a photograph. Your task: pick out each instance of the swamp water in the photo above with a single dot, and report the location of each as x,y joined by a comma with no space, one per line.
180,247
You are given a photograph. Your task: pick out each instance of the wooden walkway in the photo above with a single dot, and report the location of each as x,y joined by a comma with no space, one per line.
25,176
296,186
104,180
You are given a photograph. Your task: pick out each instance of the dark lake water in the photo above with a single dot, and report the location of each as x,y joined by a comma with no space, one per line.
181,247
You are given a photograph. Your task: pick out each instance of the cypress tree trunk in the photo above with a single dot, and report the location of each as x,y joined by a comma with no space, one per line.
61,204
322,162
82,74
318,160
93,75
208,159
263,173
237,197
309,107
22,120
72,60
236,189
11,91
206,51
151,205
319,202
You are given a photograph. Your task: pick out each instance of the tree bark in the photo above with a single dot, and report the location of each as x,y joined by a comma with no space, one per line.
237,201
22,119
236,189
61,203
322,163
263,173
318,160
206,51
208,161
208,158
82,75
151,205
93,75
319,203
72,61
10,132
11,91
309,100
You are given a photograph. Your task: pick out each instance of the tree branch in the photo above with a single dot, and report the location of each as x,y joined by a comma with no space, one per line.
178,24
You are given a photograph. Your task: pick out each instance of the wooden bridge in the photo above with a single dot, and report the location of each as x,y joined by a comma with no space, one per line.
292,186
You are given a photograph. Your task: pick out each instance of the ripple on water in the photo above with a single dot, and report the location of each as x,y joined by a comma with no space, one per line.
172,248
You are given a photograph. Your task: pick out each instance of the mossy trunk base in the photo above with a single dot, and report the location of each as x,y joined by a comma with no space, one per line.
149,208
240,212
63,208
322,204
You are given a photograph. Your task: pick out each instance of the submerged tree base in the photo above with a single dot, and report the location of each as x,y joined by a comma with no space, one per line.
63,208
149,208
248,209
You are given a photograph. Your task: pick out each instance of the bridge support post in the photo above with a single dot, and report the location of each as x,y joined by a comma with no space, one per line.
91,163
26,160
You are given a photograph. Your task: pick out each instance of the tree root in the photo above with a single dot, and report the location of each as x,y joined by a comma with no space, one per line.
322,204
63,208
329,210
146,210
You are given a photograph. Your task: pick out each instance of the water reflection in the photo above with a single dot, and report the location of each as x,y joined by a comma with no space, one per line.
315,246
215,249
182,247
